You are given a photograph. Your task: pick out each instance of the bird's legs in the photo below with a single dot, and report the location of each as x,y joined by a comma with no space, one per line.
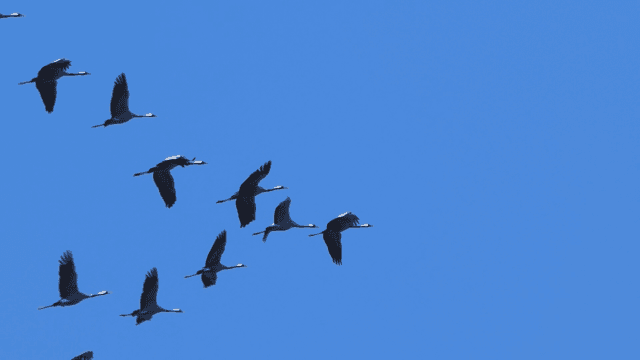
235,196
145,172
44,307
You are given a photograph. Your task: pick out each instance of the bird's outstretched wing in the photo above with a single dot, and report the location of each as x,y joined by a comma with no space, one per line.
209,278
120,97
216,250
334,245
253,179
166,186
85,356
343,222
68,284
52,70
246,206
282,211
48,93
149,289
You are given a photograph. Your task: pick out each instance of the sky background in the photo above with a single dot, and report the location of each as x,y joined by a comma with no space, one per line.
494,147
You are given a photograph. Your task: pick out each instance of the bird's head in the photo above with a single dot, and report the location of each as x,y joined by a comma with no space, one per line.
241,265
177,310
104,292
149,115
198,162
367,225
17,14
280,187
313,226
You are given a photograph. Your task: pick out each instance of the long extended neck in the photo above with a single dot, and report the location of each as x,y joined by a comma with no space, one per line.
263,190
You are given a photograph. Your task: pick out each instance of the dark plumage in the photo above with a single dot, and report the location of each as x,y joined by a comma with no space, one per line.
47,81
120,113
163,179
332,234
212,265
84,356
246,196
282,220
68,283
148,304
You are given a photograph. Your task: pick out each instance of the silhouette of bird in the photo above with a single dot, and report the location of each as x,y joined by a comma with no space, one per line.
47,80
11,15
120,113
246,196
212,266
148,304
84,356
68,284
332,234
282,221
163,179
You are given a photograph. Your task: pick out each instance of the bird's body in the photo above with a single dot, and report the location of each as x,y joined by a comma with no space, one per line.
84,356
68,284
163,179
47,81
332,236
148,304
209,273
120,113
246,197
11,15
282,220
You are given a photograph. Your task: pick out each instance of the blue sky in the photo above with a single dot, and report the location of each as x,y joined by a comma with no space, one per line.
494,147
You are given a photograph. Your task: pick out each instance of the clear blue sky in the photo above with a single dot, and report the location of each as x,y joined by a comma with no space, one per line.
494,147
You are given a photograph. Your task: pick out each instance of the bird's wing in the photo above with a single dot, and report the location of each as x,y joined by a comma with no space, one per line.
51,71
334,245
48,93
120,97
209,278
85,356
149,289
282,211
166,186
68,284
246,206
216,250
253,179
343,222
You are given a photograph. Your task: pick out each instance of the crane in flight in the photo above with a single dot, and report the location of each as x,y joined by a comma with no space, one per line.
332,234
68,283
282,221
11,15
209,273
246,197
148,304
120,113
163,179
47,81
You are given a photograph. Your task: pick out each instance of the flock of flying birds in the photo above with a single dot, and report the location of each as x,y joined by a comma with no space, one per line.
46,83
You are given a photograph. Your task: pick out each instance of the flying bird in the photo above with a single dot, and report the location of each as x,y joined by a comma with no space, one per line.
246,196
212,266
282,221
11,15
163,179
47,80
120,113
68,284
84,356
148,304
332,234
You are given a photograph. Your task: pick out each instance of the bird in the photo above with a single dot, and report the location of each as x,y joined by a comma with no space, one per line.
47,80
332,234
84,356
11,15
148,304
68,284
120,113
163,179
246,196
282,221
212,266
